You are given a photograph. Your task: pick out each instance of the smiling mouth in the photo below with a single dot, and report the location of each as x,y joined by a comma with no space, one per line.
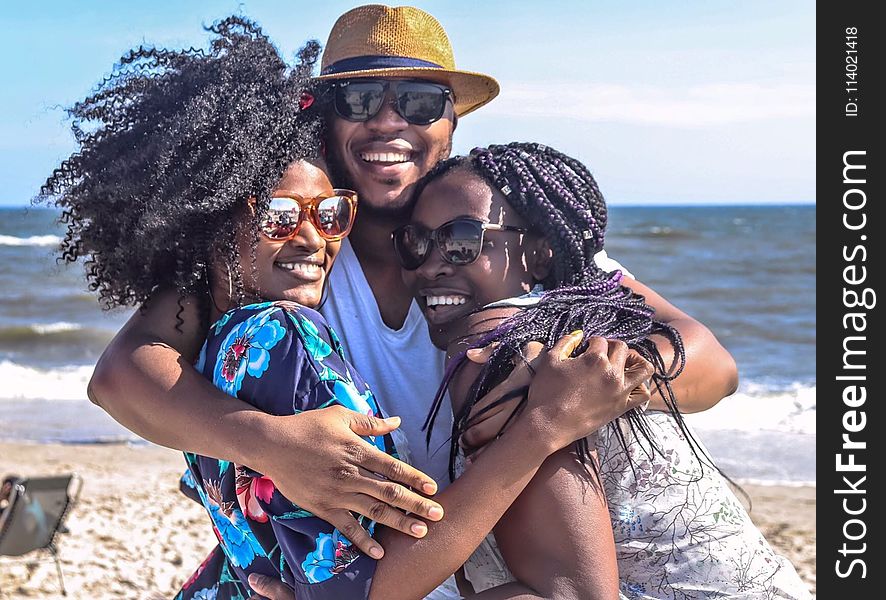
301,269
441,309
386,158
449,300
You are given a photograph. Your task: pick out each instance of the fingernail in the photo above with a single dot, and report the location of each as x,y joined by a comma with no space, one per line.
429,488
473,351
419,529
376,552
393,421
436,513
577,332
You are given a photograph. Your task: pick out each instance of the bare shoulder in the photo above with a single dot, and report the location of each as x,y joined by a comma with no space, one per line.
168,318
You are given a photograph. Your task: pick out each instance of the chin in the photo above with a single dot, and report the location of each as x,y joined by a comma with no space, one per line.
309,298
446,334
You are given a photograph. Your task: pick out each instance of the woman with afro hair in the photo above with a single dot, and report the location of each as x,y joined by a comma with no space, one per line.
199,182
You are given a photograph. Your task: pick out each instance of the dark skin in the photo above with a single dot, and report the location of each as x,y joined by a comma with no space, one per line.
411,568
526,451
539,536
556,538
145,380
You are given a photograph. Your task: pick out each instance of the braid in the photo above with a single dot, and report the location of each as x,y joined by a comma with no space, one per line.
560,197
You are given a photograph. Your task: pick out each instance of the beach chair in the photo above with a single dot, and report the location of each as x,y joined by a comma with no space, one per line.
35,515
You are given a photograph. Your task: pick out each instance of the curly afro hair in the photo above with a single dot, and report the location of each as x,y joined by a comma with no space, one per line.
171,146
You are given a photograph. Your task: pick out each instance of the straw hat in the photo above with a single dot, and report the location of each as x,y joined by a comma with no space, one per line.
403,41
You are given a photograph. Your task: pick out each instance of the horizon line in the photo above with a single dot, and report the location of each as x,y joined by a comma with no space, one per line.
622,203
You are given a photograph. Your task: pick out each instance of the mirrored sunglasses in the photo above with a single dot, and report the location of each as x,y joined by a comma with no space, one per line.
459,241
418,102
331,214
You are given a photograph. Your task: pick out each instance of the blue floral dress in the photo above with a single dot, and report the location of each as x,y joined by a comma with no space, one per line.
283,359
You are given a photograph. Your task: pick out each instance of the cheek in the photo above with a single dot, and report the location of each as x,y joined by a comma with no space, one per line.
338,134
409,279
265,252
438,138
331,252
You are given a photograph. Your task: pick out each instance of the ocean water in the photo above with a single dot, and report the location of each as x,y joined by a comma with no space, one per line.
747,272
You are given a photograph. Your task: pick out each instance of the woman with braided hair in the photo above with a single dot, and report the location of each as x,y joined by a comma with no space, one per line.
502,255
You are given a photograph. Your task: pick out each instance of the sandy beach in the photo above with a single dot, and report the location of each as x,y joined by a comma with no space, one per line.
133,535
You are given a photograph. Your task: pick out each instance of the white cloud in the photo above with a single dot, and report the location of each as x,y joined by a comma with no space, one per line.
695,106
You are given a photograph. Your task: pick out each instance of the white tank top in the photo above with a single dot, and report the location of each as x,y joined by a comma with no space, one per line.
402,366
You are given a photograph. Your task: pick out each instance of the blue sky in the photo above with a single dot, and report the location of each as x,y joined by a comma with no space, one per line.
686,102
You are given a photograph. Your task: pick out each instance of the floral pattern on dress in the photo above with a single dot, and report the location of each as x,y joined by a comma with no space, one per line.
246,351
332,554
284,359
250,490
679,530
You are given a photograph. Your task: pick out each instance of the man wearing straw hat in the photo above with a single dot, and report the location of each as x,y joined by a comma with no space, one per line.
394,99
377,59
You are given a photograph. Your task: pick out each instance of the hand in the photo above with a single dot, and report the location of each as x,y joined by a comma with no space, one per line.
570,398
318,461
269,588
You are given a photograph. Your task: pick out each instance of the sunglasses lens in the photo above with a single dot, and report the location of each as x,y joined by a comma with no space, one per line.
359,100
334,216
282,218
420,103
411,245
460,241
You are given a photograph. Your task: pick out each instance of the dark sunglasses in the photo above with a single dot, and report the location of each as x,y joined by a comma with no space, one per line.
459,241
418,102
331,214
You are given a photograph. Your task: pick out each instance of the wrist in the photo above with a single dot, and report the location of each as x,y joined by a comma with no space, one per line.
534,434
256,440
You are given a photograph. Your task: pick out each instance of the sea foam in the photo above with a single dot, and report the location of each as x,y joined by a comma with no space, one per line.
28,383
34,240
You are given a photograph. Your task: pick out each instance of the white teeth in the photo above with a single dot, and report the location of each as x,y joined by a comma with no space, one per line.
300,267
386,157
446,300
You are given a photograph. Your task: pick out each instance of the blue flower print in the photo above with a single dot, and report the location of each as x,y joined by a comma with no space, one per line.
188,480
346,395
239,542
222,322
246,351
629,521
206,594
310,335
332,555
633,590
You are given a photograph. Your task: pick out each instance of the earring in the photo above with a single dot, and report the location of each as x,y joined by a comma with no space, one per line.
230,282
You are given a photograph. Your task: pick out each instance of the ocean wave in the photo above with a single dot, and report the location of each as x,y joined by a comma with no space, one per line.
759,407
50,328
34,240
656,231
27,383
59,336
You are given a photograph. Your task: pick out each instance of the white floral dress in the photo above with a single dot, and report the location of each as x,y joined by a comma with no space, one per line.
680,532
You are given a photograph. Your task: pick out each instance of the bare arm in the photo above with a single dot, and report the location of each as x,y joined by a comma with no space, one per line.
710,372
556,538
145,380
476,501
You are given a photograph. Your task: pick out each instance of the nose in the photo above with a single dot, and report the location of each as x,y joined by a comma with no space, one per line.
434,266
387,120
307,238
